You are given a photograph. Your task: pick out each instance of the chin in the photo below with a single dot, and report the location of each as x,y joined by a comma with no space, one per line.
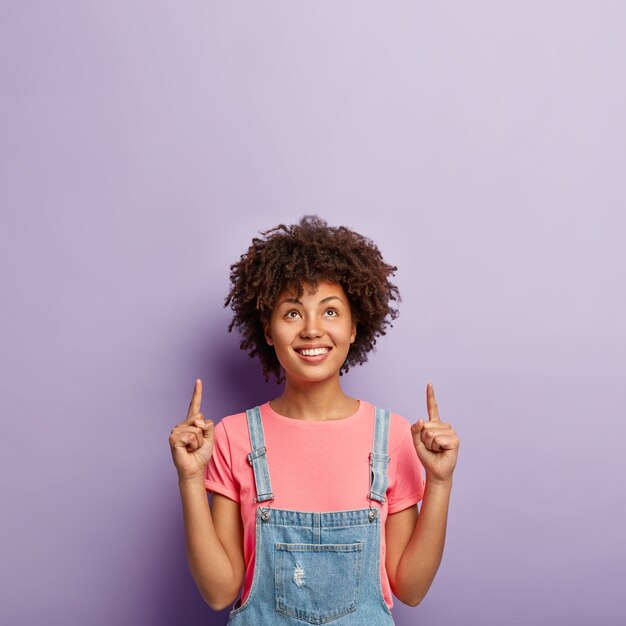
311,377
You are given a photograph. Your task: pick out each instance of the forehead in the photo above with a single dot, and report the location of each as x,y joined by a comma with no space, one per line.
325,289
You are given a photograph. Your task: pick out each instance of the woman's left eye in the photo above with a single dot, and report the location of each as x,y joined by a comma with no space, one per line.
332,311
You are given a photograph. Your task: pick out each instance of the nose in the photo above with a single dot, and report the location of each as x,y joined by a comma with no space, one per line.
310,327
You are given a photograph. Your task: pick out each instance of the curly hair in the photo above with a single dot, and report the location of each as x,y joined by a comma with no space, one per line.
309,252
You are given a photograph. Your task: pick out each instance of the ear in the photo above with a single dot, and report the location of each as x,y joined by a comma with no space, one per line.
268,334
353,332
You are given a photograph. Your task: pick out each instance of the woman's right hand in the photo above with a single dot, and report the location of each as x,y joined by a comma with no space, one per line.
191,441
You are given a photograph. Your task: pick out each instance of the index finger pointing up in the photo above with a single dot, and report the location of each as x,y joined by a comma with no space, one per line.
431,403
196,399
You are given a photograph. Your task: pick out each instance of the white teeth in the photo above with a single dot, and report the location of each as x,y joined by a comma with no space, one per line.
315,352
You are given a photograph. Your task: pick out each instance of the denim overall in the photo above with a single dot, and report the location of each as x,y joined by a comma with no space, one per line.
316,568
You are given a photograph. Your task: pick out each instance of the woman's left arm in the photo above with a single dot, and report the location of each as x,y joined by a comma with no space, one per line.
415,542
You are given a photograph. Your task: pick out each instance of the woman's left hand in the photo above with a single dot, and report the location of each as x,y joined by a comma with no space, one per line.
436,443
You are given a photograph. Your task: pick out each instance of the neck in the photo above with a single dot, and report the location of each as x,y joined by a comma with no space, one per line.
314,401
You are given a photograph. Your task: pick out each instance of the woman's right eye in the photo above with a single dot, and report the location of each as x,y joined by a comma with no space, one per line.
290,312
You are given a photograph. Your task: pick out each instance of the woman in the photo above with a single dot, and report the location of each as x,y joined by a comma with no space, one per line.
314,505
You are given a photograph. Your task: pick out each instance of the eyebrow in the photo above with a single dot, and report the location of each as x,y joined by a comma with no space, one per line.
296,301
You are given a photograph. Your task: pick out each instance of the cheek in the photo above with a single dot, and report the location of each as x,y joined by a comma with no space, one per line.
280,337
349,330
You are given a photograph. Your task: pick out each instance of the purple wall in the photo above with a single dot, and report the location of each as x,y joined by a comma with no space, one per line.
142,146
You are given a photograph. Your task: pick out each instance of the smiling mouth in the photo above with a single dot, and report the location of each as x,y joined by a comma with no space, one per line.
313,351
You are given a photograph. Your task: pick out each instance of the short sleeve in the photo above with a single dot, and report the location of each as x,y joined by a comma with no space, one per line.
219,474
408,487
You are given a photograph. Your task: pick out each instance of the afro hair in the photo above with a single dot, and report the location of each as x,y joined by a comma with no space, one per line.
308,252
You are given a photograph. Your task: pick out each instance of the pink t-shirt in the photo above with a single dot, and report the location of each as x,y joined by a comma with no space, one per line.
314,466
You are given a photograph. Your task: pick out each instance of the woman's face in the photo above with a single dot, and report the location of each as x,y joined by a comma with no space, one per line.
312,335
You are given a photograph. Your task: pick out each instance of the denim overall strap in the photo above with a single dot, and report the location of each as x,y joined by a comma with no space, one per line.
258,458
379,459
316,568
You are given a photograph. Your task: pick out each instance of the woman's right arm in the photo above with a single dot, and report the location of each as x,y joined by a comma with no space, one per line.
213,535
214,542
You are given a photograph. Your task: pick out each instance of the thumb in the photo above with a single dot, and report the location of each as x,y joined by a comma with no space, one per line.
418,426
416,429
207,427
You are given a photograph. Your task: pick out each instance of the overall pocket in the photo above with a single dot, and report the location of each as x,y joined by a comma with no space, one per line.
317,583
